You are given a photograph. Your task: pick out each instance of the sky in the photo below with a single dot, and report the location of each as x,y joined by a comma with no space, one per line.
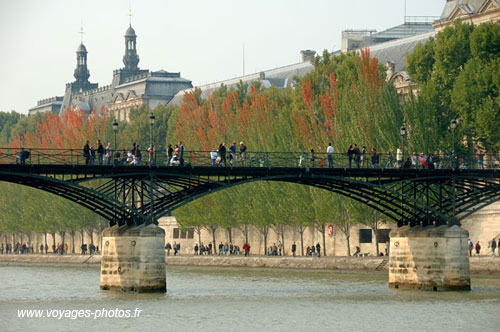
203,40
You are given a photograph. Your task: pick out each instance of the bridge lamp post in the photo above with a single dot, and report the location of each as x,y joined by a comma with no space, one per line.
402,132
453,126
115,130
151,125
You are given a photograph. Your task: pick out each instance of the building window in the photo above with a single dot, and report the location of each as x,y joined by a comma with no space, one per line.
383,235
183,233
365,236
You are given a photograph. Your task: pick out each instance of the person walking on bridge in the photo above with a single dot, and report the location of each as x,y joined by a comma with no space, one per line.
329,152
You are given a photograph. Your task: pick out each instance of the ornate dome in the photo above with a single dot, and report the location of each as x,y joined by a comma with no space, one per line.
130,32
81,49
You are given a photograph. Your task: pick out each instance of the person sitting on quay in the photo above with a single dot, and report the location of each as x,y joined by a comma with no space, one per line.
357,252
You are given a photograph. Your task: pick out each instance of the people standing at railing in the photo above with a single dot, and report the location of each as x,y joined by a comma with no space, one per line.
138,155
86,153
170,154
363,155
389,160
357,155
312,158
480,159
329,152
92,155
407,163
22,156
350,154
108,154
232,155
243,150
414,160
100,152
375,158
222,154
399,157
182,149
213,157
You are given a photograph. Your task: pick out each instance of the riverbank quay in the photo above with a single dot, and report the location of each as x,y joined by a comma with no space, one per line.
481,264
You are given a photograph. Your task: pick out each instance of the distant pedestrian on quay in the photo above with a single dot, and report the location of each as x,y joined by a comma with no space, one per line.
318,250
294,249
478,248
493,247
471,247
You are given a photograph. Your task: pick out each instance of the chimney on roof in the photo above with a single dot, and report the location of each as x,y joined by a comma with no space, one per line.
307,55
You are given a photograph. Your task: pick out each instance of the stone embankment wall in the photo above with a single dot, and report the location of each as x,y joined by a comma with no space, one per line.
477,264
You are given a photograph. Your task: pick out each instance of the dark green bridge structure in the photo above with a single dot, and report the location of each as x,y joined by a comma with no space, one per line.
428,249
142,194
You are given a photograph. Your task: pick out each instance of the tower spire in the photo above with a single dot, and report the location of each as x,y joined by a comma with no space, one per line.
130,59
81,32
129,16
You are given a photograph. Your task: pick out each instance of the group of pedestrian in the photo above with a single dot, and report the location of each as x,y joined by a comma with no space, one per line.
493,245
275,250
311,251
91,248
175,155
17,248
221,155
101,153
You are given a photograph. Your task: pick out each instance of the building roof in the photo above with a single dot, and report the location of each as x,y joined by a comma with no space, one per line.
280,77
396,50
407,29
468,6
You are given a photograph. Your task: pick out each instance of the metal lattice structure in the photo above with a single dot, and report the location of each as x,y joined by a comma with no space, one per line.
142,194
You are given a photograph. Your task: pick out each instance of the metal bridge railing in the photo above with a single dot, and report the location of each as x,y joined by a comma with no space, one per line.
123,158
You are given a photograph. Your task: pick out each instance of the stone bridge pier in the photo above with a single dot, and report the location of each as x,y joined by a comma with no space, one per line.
429,258
133,258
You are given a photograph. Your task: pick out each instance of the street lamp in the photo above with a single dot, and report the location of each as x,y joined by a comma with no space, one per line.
151,123
402,132
115,130
453,126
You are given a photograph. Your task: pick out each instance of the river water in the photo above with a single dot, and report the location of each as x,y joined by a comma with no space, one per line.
242,299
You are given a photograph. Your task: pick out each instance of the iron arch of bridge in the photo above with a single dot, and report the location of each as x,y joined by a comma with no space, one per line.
410,199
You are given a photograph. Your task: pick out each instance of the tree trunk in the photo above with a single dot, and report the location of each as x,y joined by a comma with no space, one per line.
72,233
301,231
53,241
82,233
264,230
324,241
347,237
229,234
198,231
45,245
283,240
213,241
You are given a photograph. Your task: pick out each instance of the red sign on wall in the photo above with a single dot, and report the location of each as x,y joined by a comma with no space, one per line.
330,230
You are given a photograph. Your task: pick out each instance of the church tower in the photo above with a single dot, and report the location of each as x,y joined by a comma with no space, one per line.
130,59
81,72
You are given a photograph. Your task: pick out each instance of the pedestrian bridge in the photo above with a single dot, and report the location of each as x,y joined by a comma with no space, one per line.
132,198
136,194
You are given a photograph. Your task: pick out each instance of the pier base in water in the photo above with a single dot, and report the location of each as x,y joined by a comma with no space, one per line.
133,259
429,258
